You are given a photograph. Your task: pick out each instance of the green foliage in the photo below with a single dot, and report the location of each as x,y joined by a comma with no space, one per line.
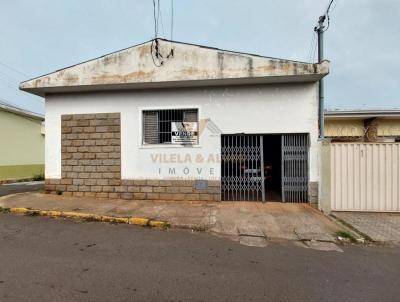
345,235
4,210
38,177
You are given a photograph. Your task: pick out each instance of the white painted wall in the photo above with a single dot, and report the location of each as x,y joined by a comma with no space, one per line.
290,108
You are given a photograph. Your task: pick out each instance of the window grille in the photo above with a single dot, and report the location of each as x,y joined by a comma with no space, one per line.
157,123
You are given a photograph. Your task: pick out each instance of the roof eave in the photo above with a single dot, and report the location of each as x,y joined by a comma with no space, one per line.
42,91
362,114
22,112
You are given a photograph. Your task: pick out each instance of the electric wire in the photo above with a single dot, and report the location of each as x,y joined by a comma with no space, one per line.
7,84
334,6
14,69
172,21
162,23
7,79
10,77
312,46
13,105
320,28
314,49
154,51
157,57
327,15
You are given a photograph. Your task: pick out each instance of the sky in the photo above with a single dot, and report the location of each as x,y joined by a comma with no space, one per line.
362,42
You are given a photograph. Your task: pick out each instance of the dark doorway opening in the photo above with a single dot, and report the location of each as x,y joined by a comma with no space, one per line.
264,167
272,147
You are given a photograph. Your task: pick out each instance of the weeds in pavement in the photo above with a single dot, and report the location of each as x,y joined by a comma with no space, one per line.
4,210
32,213
345,235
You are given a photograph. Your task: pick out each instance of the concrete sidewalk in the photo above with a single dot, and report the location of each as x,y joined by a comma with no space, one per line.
249,222
379,227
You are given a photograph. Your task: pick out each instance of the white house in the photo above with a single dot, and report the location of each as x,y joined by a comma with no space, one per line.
168,120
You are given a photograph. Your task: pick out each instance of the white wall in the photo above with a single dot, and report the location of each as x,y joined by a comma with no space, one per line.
291,108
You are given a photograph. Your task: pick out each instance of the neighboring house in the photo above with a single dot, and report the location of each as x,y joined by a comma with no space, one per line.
361,165
22,143
174,121
363,125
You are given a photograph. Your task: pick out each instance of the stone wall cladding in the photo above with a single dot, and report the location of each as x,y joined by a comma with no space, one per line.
91,165
140,189
90,154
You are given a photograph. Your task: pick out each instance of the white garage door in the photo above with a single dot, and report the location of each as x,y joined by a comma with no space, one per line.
365,177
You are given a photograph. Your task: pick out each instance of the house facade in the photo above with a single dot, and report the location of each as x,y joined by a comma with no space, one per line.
22,143
183,122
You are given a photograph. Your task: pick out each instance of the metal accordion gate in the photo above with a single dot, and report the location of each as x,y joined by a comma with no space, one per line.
243,171
295,167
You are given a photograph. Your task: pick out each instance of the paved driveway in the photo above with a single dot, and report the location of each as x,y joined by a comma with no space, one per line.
20,187
380,227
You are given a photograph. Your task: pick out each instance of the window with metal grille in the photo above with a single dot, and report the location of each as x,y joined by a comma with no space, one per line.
157,124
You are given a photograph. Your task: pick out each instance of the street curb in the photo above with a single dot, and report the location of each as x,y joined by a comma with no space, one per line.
140,221
17,180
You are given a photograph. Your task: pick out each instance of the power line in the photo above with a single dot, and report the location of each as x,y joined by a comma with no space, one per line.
329,7
327,15
15,70
313,45
15,106
154,50
172,20
5,83
9,78
156,56
156,15
8,82
161,20
315,49
334,6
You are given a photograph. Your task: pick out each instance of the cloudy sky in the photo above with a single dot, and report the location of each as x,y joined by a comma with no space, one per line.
362,43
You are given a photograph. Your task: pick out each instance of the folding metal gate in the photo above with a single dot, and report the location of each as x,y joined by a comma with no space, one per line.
294,167
242,167
242,172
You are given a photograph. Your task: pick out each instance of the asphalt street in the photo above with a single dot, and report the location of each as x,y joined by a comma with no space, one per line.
21,187
45,259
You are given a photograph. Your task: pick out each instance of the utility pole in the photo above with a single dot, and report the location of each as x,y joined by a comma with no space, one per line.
320,32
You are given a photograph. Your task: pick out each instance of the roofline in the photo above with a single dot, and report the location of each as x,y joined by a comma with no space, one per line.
362,113
20,111
233,51
170,41
176,84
